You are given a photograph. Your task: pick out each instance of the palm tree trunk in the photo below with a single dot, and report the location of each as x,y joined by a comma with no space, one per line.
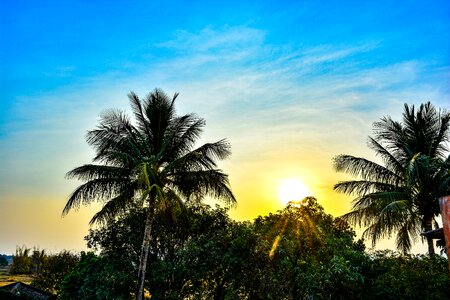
144,250
428,227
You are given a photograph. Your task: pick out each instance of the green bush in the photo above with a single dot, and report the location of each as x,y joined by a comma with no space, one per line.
395,276
53,269
96,277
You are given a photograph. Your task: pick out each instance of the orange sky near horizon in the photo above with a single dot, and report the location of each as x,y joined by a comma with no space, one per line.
254,180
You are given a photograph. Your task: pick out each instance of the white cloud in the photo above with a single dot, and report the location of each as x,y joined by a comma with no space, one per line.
209,39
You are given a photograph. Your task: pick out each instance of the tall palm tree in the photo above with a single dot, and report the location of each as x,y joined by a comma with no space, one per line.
400,195
152,161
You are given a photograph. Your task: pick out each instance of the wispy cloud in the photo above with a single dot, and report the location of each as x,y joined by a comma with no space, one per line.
219,41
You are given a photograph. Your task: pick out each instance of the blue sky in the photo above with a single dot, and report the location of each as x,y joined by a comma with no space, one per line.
290,83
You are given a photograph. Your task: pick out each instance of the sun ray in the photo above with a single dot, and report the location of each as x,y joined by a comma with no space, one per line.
277,240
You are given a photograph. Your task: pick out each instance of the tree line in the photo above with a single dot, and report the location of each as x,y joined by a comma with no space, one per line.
199,252
400,196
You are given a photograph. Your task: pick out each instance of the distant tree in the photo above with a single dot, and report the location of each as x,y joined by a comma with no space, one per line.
53,269
21,261
3,260
153,161
37,260
400,196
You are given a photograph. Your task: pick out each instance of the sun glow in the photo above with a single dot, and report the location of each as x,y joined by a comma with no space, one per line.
292,190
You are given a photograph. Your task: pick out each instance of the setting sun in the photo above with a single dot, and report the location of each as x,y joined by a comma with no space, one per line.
292,190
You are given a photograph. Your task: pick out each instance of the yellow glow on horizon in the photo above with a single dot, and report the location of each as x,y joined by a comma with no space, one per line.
292,189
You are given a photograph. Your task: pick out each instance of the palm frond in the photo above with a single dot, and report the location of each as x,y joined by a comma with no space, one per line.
407,233
95,190
111,209
368,170
392,134
181,137
202,158
362,187
387,157
202,183
89,172
367,208
111,128
116,133
159,112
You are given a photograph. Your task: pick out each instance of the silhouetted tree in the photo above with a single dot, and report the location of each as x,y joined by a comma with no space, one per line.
152,161
400,196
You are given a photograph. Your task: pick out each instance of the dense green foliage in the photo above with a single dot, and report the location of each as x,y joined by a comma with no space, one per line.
394,276
305,252
200,253
52,269
96,277
400,196
176,232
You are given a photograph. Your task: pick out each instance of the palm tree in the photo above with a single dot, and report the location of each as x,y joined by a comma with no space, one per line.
400,195
151,162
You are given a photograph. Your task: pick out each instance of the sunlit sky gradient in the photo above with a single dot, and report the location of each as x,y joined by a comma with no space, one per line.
290,85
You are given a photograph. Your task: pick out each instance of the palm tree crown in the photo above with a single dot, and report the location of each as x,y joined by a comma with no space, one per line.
400,195
152,161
